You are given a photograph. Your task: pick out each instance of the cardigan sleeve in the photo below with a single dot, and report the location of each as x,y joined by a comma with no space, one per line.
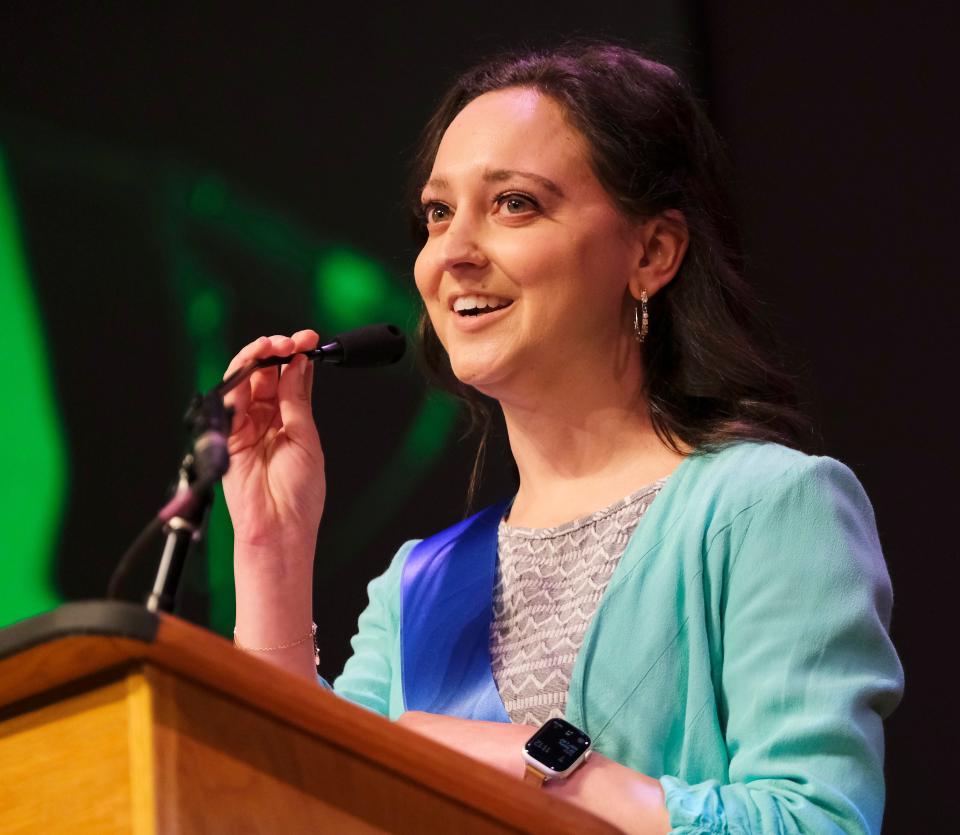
808,670
368,674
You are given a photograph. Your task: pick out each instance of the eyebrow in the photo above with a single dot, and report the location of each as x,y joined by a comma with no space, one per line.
499,175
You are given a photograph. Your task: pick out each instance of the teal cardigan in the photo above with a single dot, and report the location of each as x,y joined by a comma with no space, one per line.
740,652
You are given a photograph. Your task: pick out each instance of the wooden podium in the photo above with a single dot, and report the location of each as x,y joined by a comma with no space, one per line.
113,719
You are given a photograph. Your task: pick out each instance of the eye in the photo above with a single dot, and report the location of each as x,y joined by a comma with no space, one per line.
516,203
435,212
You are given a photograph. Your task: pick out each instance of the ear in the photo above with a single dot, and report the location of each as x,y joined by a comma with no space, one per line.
664,239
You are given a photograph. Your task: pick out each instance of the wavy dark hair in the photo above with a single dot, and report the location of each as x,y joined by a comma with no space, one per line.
710,361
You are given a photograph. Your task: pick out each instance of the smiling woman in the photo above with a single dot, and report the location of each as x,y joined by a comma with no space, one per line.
703,605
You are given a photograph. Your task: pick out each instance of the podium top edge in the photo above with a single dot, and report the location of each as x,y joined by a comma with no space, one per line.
109,618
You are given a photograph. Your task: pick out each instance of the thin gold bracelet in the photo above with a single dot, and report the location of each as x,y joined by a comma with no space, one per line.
311,634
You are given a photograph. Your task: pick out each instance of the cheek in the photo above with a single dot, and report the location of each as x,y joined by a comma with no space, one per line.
552,268
427,280
601,262
532,261
421,273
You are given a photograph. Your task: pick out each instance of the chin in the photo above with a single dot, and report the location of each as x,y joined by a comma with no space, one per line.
474,371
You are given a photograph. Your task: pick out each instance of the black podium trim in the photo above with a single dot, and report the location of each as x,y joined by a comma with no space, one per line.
86,617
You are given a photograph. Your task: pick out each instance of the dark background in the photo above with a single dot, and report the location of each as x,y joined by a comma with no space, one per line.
842,126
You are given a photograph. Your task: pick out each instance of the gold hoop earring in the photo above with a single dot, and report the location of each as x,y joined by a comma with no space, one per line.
641,318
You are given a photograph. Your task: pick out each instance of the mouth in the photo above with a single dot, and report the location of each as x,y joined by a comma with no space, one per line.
479,305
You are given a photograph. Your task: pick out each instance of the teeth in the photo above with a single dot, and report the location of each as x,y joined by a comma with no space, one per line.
478,302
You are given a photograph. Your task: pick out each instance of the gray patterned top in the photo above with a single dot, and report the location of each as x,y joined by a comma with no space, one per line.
549,582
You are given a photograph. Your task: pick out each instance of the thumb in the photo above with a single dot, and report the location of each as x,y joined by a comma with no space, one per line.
294,397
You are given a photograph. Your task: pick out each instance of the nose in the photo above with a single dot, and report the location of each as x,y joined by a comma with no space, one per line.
460,247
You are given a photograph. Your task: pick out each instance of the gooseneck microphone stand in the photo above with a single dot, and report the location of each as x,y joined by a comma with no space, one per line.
200,469
184,518
182,531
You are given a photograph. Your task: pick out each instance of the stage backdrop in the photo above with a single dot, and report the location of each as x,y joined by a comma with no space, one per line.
176,182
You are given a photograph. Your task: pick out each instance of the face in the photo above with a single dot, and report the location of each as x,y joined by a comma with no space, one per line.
526,267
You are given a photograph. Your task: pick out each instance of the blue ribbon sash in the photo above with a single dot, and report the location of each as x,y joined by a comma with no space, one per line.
446,609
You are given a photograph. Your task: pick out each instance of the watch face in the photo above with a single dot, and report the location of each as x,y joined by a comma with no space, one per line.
558,744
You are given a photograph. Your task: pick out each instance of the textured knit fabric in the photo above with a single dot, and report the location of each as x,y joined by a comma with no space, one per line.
740,652
549,582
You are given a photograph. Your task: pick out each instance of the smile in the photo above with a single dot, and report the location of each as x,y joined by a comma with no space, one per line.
477,305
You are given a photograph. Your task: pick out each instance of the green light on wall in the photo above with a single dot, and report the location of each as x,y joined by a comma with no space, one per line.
205,314
430,431
209,197
353,290
32,456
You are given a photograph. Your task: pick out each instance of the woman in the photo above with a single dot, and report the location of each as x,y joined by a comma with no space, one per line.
705,602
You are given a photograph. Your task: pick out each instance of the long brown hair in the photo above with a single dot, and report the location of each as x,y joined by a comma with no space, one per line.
710,365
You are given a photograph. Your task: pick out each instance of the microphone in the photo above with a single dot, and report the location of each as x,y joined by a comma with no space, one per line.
369,346
366,347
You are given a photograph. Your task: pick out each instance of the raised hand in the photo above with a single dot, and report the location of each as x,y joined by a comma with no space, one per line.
275,488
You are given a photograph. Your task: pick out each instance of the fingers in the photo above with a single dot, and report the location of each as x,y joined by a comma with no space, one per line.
239,398
263,383
294,390
261,388
307,340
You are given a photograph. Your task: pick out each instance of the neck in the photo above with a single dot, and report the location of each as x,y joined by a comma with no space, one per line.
582,443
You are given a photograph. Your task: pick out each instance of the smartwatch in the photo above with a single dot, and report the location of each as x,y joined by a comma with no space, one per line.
554,752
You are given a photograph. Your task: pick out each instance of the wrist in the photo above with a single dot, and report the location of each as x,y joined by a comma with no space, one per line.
554,751
626,798
274,597
310,639
286,564
284,547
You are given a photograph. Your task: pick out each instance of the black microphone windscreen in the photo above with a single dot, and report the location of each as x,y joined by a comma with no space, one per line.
370,346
